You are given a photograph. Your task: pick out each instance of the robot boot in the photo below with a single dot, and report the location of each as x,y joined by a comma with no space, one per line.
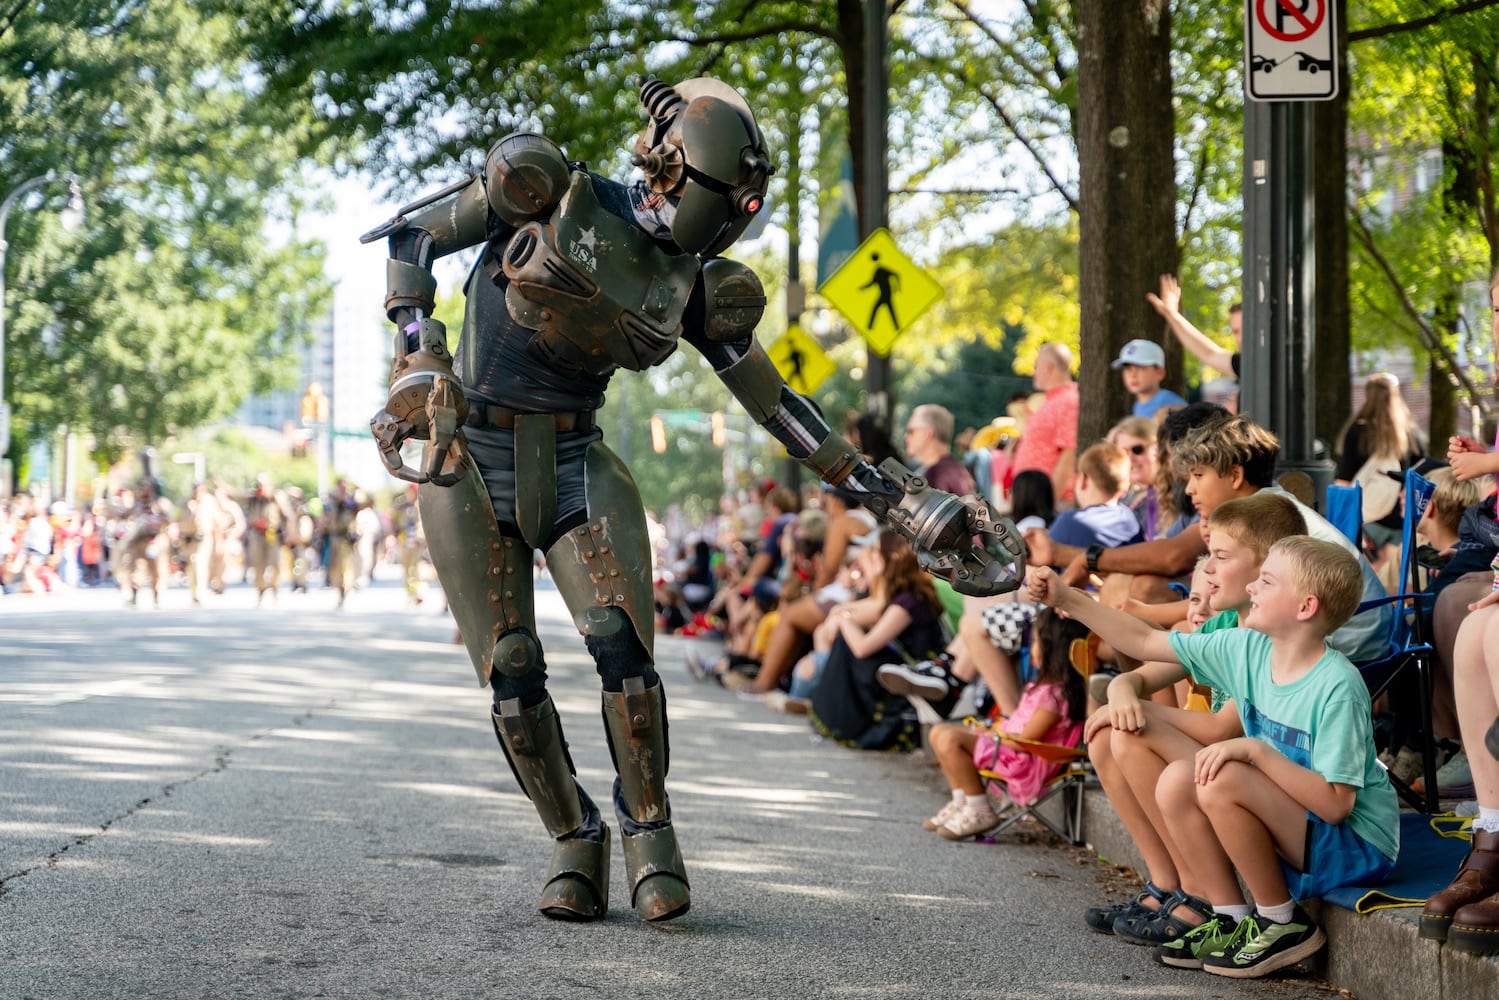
577,886
636,722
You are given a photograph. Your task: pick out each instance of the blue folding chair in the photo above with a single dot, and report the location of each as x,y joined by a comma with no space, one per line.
1408,649
1345,511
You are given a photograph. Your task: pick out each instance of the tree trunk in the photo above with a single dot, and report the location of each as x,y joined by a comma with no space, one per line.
1126,196
851,45
1332,323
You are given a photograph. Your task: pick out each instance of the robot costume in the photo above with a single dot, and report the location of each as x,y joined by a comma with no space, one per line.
581,275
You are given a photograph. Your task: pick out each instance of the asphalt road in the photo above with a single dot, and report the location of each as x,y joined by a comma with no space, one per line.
299,801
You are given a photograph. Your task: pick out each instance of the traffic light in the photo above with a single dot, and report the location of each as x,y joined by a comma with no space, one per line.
719,435
314,405
658,434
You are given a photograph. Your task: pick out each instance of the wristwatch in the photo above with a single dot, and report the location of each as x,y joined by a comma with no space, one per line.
1093,552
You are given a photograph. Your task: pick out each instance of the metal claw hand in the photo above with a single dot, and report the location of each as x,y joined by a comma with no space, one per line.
941,528
430,409
426,403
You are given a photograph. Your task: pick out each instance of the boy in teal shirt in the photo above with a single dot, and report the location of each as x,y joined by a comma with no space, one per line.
1299,805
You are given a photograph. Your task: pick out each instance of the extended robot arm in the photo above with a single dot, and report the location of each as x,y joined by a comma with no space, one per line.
939,526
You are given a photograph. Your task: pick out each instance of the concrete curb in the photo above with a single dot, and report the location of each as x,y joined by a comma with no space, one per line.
1375,956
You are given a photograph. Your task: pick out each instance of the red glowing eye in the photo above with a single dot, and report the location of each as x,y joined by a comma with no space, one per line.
752,206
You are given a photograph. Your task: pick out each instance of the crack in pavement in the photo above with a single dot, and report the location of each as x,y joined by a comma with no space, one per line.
221,762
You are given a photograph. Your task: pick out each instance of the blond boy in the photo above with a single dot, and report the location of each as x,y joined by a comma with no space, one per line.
1131,741
1299,805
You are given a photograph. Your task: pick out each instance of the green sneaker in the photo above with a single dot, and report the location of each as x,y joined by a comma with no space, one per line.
1186,952
1261,946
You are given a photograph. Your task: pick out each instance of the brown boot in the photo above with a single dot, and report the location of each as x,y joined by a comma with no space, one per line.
1477,880
1475,928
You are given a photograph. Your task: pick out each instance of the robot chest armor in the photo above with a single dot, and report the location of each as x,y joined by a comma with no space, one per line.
599,293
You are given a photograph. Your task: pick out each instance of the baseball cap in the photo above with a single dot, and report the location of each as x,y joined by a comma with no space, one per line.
1141,352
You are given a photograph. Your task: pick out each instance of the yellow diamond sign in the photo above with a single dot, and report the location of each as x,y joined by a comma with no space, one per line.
880,290
803,364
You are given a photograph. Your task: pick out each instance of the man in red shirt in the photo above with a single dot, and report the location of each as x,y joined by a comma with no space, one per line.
1049,443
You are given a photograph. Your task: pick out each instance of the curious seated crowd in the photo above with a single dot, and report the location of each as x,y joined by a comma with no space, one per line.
1227,723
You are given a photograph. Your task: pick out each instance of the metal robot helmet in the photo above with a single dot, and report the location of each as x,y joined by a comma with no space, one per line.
704,152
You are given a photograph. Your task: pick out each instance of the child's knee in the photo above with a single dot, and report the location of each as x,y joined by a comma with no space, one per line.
1101,749
1177,788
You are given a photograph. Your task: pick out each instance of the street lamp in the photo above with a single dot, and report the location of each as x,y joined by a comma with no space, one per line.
72,218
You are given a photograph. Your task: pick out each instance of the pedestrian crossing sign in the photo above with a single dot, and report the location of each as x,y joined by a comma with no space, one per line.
803,364
880,290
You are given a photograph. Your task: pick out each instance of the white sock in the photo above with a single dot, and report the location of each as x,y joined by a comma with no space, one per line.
959,797
1487,821
1238,911
1281,914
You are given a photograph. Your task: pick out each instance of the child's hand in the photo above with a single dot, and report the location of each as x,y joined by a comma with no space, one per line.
1097,723
1126,714
1211,758
1045,587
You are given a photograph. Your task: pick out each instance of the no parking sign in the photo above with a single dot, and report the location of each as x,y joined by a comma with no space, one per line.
1290,50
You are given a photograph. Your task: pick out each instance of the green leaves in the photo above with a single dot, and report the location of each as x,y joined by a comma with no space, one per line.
189,286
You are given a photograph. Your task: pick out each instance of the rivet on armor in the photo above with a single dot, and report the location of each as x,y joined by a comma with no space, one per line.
614,572
619,597
603,550
509,543
597,528
509,570
494,571
509,595
582,531
637,720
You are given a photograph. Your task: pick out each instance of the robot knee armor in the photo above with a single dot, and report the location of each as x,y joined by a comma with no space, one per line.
516,653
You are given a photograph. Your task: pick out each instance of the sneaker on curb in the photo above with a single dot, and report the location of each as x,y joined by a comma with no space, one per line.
1261,946
1101,918
1409,765
696,667
1163,926
1186,951
1455,778
927,679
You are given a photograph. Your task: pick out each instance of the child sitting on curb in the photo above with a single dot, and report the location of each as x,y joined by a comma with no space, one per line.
1129,755
1051,710
1298,806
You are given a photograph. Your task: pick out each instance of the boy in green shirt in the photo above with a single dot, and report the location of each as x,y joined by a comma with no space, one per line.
1299,805
1129,755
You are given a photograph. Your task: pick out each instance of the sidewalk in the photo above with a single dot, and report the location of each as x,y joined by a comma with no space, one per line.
1375,956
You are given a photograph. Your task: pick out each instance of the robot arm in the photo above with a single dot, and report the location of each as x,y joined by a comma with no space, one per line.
524,177
939,526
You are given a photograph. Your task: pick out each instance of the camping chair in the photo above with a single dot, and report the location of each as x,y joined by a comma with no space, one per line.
1345,511
1408,650
1068,784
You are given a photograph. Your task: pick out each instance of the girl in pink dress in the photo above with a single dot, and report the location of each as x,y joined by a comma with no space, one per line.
1051,710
